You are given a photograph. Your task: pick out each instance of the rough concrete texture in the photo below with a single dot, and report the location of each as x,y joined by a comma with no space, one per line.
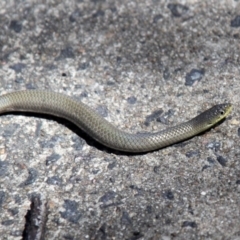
144,65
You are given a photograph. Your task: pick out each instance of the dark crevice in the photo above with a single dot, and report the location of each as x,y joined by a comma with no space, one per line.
36,219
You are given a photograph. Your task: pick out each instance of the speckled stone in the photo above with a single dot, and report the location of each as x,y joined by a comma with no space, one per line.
145,66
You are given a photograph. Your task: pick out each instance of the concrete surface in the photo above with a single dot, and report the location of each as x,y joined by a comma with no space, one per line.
144,65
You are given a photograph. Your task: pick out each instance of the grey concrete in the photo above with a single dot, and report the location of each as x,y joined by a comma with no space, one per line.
144,65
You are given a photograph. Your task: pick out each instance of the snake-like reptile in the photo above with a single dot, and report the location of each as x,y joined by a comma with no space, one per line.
41,101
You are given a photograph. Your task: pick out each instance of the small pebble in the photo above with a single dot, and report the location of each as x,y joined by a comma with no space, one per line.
177,9
52,158
102,110
239,132
189,224
152,117
222,161
15,26
235,22
131,100
55,180
18,67
214,145
67,52
168,195
192,153
193,76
